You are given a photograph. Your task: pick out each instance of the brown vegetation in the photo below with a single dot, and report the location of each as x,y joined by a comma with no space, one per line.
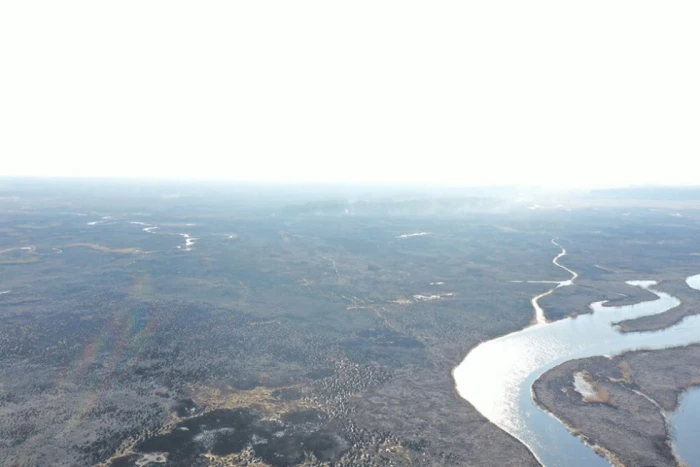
104,249
626,371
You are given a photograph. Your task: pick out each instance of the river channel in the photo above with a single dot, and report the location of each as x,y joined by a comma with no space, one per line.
496,377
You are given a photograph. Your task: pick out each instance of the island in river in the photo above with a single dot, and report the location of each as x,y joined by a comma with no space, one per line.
619,404
688,307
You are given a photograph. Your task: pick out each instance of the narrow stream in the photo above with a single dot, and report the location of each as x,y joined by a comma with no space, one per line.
539,312
496,377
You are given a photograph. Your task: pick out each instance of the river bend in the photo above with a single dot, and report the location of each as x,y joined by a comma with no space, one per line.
496,377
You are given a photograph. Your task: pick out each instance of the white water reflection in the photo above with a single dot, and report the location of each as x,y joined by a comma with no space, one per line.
416,234
496,377
189,241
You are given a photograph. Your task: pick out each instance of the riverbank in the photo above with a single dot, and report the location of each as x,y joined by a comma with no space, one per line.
690,305
624,413
574,301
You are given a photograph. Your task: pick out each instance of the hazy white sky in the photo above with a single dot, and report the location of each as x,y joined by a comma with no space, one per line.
462,92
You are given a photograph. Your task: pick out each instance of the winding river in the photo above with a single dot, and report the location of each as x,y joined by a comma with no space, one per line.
540,318
496,377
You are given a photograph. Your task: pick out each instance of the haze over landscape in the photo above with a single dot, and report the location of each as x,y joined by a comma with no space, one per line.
501,93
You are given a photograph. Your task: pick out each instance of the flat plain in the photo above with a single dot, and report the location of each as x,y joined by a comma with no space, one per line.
189,325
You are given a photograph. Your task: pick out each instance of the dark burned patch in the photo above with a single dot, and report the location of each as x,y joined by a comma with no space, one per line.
384,346
389,337
418,445
660,444
320,373
124,461
228,431
286,394
185,408
304,416
245,384
289,450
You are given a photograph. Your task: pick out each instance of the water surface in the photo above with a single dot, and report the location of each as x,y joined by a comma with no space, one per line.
497,376
685,428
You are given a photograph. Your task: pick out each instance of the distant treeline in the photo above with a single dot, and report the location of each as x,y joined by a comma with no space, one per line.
384,207
656,193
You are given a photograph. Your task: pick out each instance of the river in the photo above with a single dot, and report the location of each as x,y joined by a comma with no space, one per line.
685,426
496,377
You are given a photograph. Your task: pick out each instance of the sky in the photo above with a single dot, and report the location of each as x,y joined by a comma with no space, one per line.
540,93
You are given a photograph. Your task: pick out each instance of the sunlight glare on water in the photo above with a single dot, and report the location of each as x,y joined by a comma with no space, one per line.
496,376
